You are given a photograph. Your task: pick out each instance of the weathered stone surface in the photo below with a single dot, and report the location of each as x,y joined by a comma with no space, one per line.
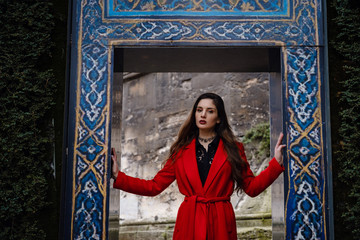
154,107
248,227
255,234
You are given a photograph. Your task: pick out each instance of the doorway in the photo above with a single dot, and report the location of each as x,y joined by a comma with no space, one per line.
142,62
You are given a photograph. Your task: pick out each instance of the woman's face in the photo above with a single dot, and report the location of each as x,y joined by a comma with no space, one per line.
206,115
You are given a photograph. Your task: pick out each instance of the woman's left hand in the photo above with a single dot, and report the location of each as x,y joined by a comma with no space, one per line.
278,149
115,167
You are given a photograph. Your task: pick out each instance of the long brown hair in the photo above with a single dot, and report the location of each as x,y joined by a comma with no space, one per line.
189,131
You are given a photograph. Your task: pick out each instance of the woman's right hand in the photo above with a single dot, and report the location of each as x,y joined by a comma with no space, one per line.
115,167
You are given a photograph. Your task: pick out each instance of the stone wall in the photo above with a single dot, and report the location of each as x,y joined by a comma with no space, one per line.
154,107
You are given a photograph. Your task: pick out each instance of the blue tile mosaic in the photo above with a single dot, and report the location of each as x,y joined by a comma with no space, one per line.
293,25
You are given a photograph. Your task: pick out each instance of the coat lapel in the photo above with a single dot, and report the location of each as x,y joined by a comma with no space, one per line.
191,168
219,160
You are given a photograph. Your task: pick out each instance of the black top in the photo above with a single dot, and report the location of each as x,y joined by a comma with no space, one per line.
204,158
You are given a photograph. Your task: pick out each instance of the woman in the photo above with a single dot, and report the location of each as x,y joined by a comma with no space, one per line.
208,164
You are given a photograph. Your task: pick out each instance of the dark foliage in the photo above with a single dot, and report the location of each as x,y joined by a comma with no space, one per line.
27,89
259,134
344,65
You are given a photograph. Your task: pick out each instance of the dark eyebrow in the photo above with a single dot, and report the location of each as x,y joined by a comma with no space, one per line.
206,108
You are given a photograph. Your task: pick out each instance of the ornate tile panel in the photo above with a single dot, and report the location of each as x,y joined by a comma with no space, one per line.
194,8
305,203
292,24
299,26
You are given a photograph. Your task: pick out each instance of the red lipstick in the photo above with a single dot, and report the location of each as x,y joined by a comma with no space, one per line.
202,122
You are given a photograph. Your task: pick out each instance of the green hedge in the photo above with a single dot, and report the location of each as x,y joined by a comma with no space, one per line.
344,68
27,90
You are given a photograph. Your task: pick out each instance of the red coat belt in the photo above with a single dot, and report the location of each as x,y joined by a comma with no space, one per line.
192,200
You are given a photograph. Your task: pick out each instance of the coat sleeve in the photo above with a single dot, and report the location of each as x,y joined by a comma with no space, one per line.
147,187
252,185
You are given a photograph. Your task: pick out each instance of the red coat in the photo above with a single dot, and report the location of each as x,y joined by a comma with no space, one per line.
206,213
